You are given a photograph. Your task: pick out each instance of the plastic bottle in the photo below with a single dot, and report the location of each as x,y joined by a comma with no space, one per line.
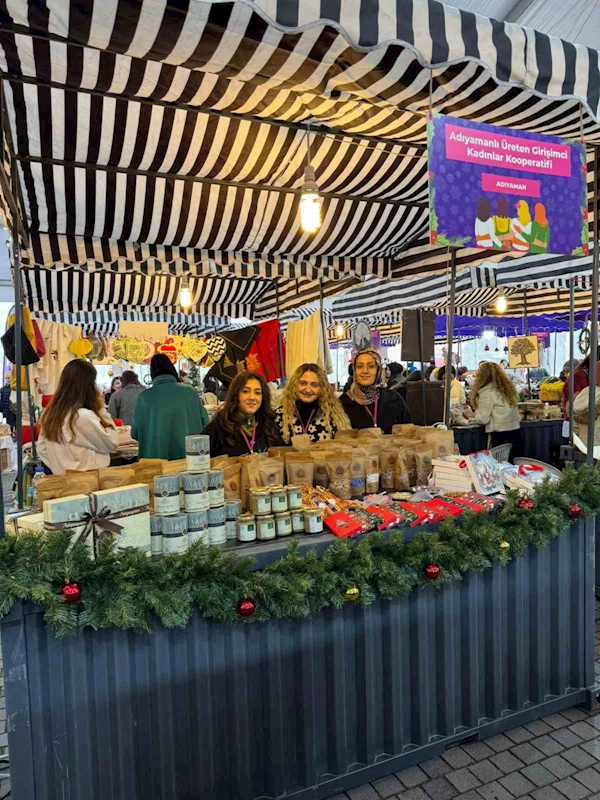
38,475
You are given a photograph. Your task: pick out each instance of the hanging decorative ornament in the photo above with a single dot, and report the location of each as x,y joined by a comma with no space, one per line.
574,510
497,350
246,607
110,373
506,348
169,349
70,592
505,546
81,347
194,349
432,572
526,503
486,348
352,594
149,350
216,346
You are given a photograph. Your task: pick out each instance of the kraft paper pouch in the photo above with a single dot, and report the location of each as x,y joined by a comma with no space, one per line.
346,433
300,468
112,479
412,464
218,462
320,475
174,467
371,473
387,462
423,458
339,468
357,477
402,471
441,441
271,471
281,452
407,430
53,487
301,442
232,481
368,434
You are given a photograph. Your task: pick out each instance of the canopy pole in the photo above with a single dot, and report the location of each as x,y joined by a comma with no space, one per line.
279,335
449,338
571,356
594,330
323,328
526,333
422,358
18,354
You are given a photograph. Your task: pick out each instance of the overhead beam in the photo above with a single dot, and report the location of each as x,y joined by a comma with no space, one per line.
517,11
55,162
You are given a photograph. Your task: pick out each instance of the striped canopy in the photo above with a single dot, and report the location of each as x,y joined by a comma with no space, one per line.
158,138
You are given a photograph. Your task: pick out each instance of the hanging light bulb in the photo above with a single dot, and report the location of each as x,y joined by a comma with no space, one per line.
501,303
339,331
185,294
310,202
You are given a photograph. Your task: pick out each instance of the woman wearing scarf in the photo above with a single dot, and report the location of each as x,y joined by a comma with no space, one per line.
309,406
368,403
246,422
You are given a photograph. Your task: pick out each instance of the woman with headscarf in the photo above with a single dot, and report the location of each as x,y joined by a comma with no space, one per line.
166,413
309,406
540,230
393,374
368,403
122,403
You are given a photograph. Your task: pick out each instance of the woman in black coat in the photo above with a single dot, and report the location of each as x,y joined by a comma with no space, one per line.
368,403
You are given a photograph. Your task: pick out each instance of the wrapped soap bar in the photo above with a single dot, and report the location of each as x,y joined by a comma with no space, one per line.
128,508
70,514
30,523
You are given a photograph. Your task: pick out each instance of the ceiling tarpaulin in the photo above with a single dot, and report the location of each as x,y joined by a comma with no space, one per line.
155,139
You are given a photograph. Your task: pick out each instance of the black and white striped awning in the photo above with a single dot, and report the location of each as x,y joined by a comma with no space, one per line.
157,137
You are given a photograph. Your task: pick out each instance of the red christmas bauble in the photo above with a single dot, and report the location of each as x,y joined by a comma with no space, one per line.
246,607
526,503
70,592
574,510
432,572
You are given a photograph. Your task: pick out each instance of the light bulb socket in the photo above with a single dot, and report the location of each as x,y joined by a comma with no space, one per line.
310,180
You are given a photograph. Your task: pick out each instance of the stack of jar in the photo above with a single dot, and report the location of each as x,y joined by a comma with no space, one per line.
277,511
198,492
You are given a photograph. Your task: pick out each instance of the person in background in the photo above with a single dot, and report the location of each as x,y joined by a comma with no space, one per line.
183,376
245,423
350,380
122,404
581,378
462,374
415,375
166,413
368,403
580,412
457,393
5,406
494,400
504,364
77,432
215,387
309,406
393,374
115,385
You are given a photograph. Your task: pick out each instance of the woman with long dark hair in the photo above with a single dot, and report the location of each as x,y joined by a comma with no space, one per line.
166,413
77,433
246,422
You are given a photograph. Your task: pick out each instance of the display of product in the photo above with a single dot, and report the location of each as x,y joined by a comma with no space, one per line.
246,528
156,542
197,525
313,520
233,508
260,501
217,530
216,491
174,534
197,453
166,495
294,494
279,499
195,491
265,527
298,520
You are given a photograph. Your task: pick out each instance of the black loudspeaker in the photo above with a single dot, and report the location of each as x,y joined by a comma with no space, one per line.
410,335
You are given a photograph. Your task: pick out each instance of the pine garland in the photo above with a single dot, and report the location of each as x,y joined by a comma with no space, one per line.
124,589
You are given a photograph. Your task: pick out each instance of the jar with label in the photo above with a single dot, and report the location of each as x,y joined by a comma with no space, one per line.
216,490
283,523
279,499
217,530
156,542
175,536
298,521
265,526
233,508
166,495
197,453
294,494
313,520
260,501
195,491
246,528
198,527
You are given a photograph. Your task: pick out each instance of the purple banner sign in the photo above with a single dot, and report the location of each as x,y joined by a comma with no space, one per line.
506,190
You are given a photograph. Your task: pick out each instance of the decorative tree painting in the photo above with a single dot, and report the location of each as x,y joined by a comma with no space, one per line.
523,351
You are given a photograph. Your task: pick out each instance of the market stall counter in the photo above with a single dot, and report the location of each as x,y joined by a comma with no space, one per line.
304,672
540,439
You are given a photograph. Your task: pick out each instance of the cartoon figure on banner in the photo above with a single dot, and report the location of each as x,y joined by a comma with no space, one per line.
485,234
540,230
502,224
521,228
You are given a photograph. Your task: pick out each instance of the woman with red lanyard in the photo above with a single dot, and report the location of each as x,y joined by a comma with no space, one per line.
368,403
245,423
309,406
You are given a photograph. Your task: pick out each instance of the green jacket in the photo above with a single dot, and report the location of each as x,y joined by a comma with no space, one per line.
164,415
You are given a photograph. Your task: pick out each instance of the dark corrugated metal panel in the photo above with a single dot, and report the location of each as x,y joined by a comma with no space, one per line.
238,712
540,437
